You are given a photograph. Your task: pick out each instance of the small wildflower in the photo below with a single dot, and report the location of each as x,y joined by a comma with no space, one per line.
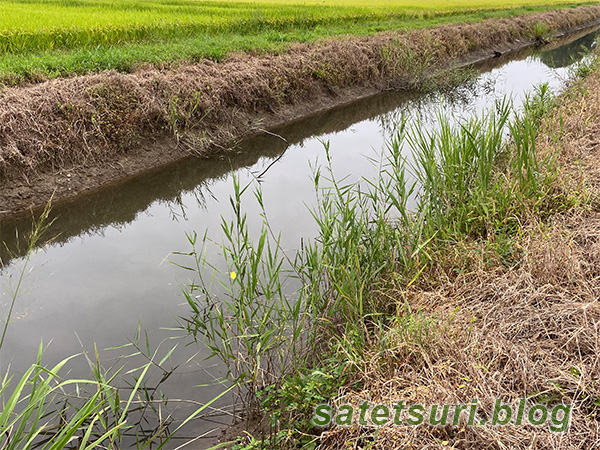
233,275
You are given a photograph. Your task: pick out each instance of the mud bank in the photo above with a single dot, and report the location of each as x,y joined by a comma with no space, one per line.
68,136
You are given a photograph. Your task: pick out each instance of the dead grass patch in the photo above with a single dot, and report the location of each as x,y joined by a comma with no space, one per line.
530,332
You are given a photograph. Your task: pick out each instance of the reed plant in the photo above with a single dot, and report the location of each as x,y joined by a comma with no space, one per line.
253,326
460,184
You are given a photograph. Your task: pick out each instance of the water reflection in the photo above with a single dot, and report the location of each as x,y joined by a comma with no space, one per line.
568,53
121,203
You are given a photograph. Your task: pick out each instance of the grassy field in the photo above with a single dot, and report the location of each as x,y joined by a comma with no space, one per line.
50,38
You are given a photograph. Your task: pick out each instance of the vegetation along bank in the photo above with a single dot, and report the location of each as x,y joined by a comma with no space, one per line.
68,135
488,289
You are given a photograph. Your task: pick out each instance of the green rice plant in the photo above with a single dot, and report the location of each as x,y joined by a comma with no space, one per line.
90,36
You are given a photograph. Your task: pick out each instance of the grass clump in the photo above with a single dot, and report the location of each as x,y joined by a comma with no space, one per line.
450,201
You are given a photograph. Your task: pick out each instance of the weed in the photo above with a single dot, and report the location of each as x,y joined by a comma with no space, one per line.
475,180
254,327
541,32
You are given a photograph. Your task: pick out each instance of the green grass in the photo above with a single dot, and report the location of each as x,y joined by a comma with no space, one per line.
475,188
91,35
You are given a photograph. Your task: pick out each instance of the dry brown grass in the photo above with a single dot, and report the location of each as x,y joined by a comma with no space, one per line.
89,119
578,137
530,331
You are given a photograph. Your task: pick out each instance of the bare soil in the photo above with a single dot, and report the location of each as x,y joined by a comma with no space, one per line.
67,136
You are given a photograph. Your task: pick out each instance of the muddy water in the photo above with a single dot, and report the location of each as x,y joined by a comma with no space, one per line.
106,269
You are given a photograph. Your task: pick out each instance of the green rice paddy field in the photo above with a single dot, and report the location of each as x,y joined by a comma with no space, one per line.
49,38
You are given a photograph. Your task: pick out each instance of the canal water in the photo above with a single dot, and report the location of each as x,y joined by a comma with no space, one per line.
106,270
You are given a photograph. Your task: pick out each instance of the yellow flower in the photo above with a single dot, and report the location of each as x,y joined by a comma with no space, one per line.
232,275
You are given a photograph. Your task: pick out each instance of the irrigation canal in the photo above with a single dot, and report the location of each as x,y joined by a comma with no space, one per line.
106,269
